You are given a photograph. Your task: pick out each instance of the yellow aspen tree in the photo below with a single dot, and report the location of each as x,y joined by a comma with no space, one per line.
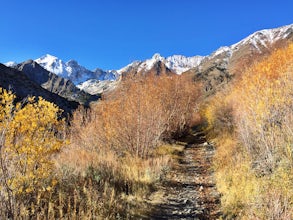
30,135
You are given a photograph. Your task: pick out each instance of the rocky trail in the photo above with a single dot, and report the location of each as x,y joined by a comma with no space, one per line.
189,191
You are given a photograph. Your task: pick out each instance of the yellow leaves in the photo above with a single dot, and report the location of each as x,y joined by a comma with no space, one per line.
6,105
264,87
30,140
54,182
254,162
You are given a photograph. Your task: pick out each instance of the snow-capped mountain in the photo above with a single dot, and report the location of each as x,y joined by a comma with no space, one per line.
110,75
54,83
23,86
257,42
176,63
219,66
53,65
72,70
229,61
10,64
99,80
265,38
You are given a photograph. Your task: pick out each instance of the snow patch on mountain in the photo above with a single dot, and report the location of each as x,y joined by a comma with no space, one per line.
53,64
258,40
180,64
10,64
176,63
130,66
149,63
94,86
221,50
73,71
265,37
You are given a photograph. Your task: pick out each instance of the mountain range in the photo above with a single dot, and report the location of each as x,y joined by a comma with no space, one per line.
76,83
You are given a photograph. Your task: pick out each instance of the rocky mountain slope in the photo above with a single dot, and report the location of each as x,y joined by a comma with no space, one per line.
54,83
95,87
158,67
23,86
230,61
176,64
72,70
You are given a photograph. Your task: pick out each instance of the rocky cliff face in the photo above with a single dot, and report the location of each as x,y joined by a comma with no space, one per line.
54,83
23,86
72,70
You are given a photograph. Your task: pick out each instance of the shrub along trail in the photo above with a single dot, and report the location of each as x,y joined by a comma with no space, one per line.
189,191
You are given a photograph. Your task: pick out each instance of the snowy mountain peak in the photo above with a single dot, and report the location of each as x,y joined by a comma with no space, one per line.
256,41
10,64
157,56
72,70
130,66
265,37
176,63
47,59
52,64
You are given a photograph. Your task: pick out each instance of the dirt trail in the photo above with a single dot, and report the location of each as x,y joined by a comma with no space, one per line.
189,191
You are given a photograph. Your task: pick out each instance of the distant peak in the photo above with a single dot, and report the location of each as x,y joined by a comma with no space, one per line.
72,62
10,64
156,56
47,59
50,56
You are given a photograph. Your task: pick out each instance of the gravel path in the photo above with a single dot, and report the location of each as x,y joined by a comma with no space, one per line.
189,191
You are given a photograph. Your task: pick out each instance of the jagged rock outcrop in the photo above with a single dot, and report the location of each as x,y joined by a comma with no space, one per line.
18,82
54,83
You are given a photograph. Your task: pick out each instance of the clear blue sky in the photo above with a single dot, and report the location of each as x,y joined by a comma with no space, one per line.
109,34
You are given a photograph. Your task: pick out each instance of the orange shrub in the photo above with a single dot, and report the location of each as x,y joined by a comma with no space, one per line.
254,160
142,112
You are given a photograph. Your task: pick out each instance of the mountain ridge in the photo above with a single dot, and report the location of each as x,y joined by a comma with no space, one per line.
228,62
54,83
18,82
216,68
72,70
59,67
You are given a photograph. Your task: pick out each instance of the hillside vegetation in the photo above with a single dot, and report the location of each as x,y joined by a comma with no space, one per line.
105,160
251,122
110,157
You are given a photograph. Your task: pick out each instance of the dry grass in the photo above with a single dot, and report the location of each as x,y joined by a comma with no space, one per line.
252,127
172,150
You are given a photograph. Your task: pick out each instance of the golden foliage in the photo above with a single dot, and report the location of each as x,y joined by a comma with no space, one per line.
140,114
113,155
116,142
28,140
254,163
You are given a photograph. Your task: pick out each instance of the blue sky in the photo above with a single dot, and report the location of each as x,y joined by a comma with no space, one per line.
110,34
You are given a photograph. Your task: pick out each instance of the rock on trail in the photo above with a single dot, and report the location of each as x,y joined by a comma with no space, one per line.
189,191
